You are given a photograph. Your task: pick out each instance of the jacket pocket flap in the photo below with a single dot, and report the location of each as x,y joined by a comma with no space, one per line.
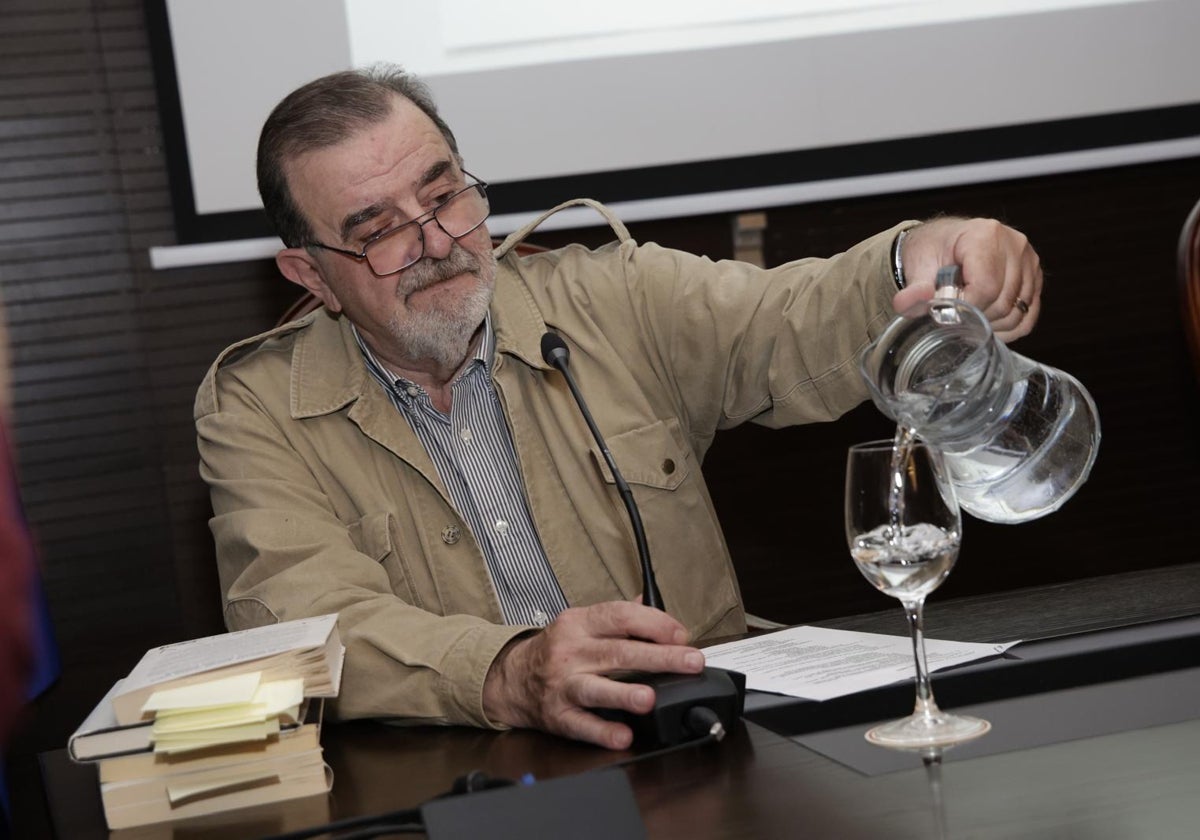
651,456
373,535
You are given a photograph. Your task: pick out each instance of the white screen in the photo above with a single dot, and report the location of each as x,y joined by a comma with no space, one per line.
542,89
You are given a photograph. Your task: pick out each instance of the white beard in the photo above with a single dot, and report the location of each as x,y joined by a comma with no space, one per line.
443,334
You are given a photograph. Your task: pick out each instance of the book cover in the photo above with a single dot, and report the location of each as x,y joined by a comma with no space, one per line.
100,736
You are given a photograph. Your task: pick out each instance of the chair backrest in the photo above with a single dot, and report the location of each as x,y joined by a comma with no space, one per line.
307,302
1189,281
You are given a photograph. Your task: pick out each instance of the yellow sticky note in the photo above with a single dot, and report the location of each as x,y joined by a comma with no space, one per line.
278,696
222,692
173,742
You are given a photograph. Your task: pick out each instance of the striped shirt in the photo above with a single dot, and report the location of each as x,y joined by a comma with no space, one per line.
473,451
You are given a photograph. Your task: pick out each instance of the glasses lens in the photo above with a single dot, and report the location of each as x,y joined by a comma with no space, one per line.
464,212
395,251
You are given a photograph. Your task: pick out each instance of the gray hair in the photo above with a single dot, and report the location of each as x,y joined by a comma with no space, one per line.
321,114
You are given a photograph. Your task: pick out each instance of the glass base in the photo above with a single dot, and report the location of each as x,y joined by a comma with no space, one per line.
933,730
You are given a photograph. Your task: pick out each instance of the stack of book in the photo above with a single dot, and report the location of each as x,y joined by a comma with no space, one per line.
215,724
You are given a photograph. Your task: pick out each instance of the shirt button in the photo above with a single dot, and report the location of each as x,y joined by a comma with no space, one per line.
540,619
451,534
412,390
501,527
466,435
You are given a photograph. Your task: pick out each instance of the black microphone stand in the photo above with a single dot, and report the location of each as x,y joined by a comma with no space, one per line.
555,352
680,700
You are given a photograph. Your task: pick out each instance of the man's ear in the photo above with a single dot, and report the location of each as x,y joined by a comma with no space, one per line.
299,266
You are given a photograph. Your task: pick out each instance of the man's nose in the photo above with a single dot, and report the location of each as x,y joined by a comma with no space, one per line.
437,241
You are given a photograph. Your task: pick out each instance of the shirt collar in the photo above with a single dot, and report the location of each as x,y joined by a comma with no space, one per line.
484,353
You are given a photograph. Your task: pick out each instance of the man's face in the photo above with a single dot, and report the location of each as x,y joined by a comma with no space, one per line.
381,177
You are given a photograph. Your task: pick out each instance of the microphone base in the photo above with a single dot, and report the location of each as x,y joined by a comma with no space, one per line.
723,692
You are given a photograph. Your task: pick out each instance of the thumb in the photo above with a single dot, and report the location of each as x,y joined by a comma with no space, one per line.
910,296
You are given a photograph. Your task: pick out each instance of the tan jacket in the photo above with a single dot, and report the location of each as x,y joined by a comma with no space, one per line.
324,500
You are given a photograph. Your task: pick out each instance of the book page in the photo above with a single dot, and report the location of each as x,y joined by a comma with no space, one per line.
188,789
144,801
198,655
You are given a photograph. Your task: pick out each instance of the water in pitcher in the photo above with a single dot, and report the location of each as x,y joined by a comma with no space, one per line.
1019,438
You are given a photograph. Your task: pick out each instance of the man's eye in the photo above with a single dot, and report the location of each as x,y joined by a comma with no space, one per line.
379,233
442,198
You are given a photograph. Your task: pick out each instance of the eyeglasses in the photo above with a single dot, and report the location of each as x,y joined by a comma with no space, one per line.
396,249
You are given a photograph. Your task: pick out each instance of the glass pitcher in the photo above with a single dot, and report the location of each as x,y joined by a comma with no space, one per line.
1019,437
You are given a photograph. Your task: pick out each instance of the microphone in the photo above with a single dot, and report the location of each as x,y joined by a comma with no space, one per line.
679,699
556,354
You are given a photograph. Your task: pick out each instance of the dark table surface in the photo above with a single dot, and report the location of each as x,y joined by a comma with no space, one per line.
1139,783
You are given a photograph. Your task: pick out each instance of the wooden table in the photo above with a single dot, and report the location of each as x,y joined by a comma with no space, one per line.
756,783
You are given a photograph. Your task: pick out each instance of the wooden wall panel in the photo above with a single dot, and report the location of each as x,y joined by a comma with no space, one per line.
80,177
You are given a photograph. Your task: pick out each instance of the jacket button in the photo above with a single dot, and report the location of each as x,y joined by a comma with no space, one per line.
451,534
668,466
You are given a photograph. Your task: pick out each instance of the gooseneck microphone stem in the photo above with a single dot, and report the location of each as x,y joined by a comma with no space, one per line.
555,353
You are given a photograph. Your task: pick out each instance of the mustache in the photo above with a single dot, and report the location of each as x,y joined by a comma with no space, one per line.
426,272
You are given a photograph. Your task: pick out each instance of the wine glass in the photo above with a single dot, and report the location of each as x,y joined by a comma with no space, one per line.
904,531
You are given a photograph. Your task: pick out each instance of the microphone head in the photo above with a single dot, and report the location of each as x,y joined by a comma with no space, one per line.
554,349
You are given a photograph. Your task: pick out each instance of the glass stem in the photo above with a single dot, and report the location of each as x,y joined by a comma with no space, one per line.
915,611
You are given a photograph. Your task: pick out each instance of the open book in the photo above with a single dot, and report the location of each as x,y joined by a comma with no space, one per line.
101,739
308,648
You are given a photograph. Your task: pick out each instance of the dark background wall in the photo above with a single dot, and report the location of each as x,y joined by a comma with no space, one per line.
108,353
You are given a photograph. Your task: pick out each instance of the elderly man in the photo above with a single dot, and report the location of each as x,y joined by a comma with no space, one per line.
405,458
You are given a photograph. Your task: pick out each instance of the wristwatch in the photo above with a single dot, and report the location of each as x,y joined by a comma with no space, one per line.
898,260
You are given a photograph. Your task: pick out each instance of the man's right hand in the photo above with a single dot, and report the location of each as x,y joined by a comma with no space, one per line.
549,680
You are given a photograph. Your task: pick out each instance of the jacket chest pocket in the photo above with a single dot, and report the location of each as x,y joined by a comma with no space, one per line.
374,535
686,545
651,456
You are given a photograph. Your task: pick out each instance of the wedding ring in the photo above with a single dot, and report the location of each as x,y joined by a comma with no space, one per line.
1023,306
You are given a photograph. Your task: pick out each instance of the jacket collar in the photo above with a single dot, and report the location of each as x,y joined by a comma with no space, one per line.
516,318
328,370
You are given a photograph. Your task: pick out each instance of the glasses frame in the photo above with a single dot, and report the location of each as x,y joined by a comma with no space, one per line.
419,222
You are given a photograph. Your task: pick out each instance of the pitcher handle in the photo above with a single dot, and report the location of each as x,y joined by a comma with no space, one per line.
947,286
949,283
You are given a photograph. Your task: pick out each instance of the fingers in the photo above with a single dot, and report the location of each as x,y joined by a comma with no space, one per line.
628,655
1016,307
585,726
627,619
620,636
1020,319
589,691
551,679
1002,273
